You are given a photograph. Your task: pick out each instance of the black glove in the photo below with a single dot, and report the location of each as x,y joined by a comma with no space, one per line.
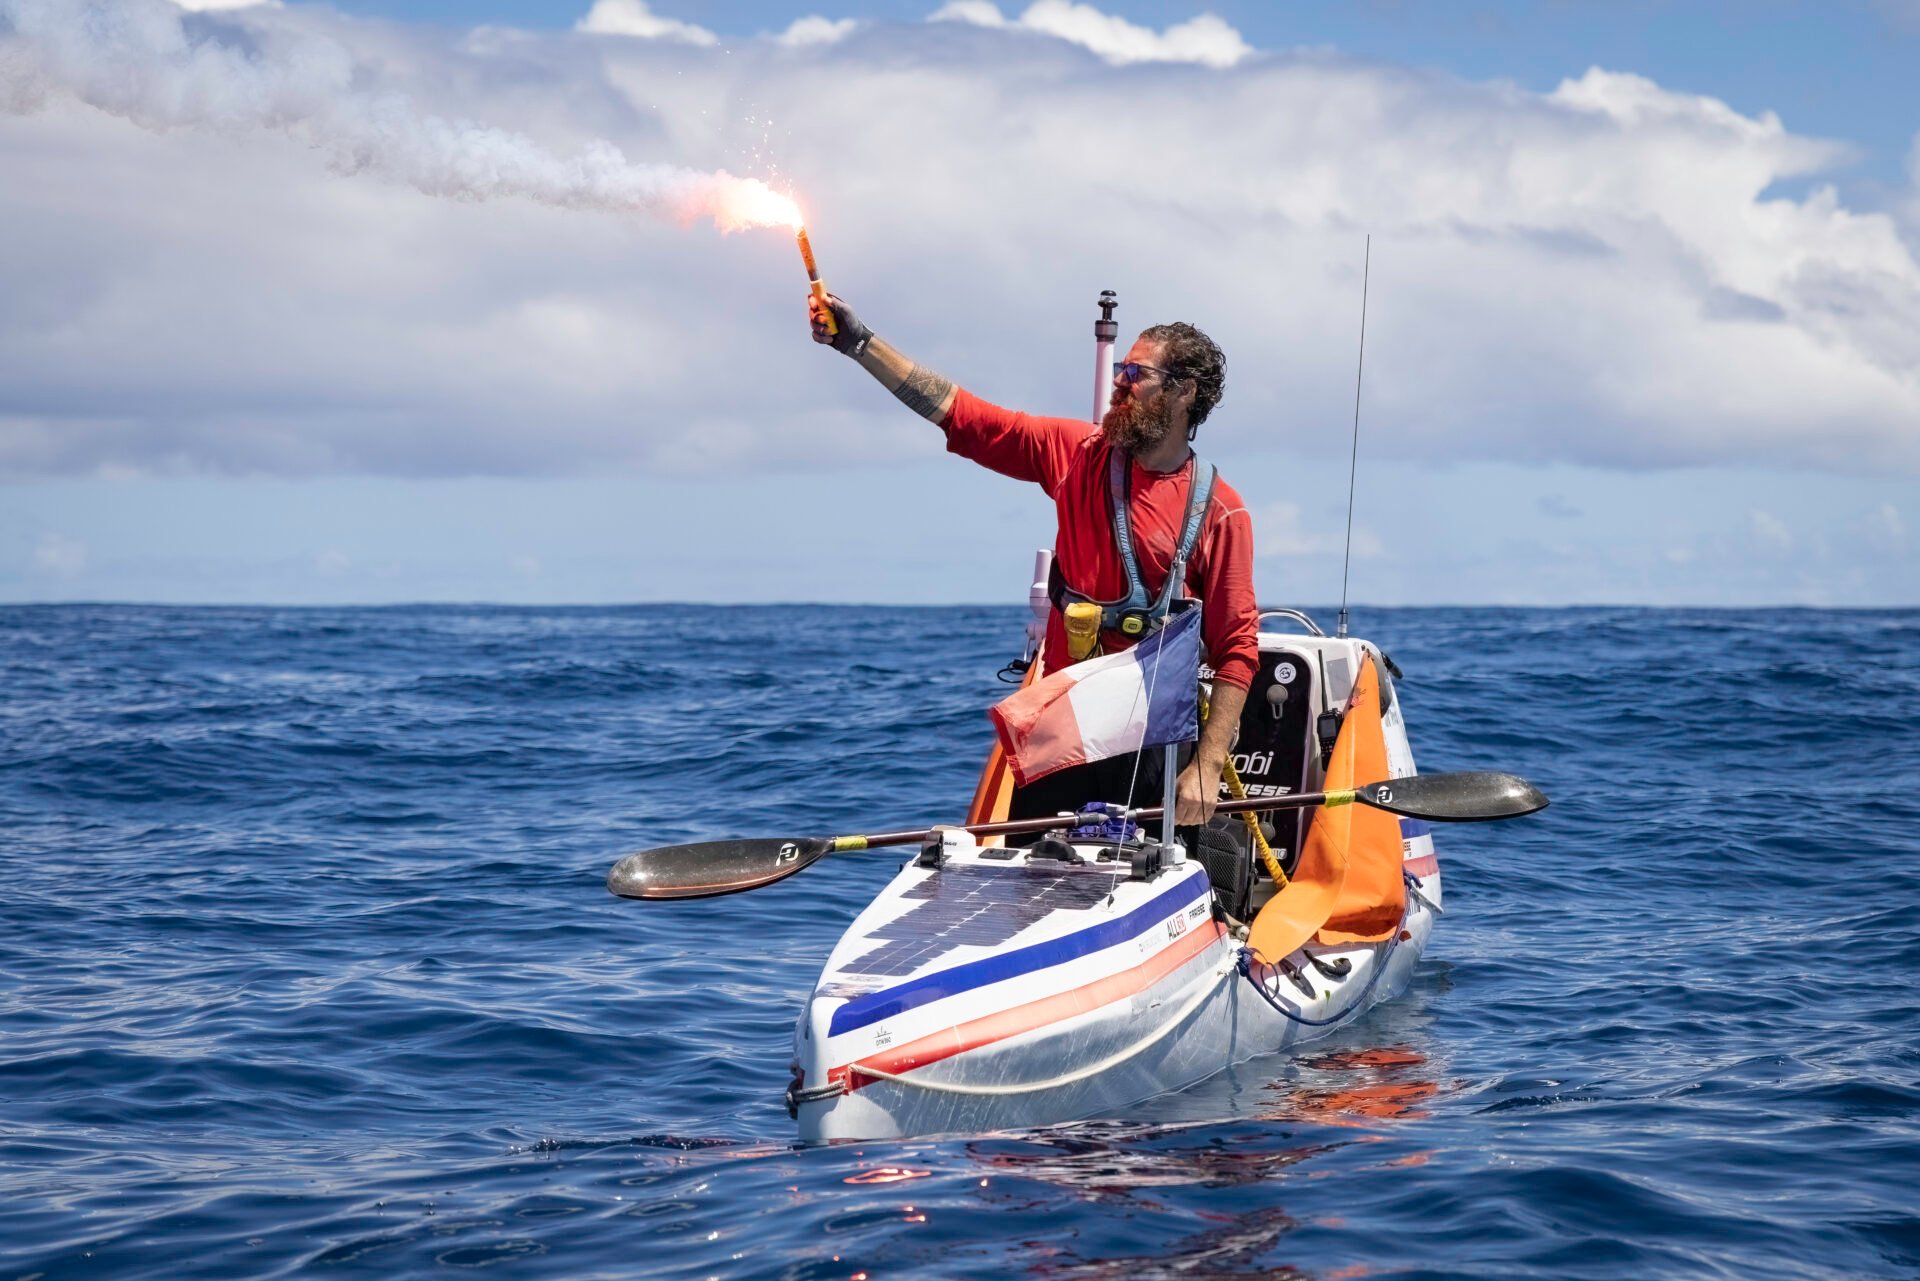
853,337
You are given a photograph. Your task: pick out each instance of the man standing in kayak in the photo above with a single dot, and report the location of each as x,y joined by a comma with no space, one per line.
1172,378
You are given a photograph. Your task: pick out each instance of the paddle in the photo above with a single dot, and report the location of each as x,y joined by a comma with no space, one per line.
710,868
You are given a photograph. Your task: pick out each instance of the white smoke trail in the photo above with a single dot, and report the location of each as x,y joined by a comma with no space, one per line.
138,60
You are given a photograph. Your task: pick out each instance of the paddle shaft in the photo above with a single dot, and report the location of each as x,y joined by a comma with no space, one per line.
1014,827
726,867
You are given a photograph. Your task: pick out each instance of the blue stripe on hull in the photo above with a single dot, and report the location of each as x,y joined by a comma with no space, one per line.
863,1010
1414,827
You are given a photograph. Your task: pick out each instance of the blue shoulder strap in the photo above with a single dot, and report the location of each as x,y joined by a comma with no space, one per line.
1117,463
1199,496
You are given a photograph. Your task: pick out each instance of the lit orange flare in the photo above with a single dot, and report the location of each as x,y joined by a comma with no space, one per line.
747,202
817,285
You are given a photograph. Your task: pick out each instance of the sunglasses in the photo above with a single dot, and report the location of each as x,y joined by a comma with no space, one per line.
1130,372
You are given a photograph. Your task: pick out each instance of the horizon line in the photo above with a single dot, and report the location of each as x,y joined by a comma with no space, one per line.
1330,610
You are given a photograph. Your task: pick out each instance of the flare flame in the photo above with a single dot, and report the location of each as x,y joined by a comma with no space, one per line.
138,59
749,202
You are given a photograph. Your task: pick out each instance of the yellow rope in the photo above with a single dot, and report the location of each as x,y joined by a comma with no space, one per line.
1238,790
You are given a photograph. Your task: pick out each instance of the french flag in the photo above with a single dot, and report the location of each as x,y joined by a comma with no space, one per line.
1146,696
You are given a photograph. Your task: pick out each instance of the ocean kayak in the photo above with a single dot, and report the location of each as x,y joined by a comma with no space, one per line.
992,985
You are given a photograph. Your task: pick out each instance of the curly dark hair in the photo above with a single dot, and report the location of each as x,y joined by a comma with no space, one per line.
1191,354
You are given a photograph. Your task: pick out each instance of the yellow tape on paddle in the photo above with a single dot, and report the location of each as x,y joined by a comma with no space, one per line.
843,843
1339,796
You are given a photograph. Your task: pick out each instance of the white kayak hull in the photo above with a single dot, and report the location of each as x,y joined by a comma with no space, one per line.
997,990
1090,1008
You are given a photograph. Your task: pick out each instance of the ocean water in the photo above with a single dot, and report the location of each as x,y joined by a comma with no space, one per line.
307,968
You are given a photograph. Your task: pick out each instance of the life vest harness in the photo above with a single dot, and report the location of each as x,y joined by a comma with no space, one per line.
1137,613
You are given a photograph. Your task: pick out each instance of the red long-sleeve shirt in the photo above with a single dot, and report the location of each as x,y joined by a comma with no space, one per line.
1068,459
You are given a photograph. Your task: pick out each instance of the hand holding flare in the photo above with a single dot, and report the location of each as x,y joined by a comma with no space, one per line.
818,285
834,324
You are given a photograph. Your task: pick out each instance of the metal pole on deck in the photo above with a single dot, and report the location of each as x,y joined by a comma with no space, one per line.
1105,331
1174,852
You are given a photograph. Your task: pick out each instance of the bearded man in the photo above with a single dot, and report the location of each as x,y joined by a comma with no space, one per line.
1170,381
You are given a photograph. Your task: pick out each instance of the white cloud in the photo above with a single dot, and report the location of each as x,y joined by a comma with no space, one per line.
1280,529
981,13
1885,532
60,556
204,6
1909,207
817,30
637,18
1204,39
1600,275
1769,532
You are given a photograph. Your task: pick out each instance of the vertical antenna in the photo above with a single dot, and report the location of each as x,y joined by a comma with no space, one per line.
1353,462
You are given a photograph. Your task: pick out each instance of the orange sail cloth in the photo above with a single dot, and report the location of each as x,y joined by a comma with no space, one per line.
993,794
1374,896
1302,906
1347,885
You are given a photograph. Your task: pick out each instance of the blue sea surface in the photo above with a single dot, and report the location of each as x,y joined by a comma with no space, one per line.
307,967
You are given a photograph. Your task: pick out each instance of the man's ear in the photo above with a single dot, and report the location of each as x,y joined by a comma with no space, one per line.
1189,388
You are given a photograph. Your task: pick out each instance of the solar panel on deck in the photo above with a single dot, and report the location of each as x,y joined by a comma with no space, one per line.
969,906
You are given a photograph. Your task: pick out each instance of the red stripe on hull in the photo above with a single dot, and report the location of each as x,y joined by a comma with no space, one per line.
1425,865
1034,1014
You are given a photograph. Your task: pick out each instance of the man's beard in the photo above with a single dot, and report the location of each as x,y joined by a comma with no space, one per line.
1136,426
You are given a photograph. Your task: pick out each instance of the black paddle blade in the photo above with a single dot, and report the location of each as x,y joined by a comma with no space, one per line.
1473,797
711,867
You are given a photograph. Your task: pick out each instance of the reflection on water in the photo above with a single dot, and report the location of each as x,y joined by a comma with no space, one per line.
1231,1250
1386,1084
1241,1164
1116,1159
887,1174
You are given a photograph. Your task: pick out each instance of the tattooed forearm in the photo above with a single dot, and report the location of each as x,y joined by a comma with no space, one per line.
919,388
925,392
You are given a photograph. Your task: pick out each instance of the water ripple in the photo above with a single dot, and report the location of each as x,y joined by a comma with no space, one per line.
309,969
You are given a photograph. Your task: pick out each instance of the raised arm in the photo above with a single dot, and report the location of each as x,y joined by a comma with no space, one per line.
917,387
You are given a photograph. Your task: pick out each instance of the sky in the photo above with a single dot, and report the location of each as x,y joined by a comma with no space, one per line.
378,302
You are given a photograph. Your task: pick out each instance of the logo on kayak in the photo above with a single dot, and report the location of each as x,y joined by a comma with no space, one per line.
1252,762
1176,926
